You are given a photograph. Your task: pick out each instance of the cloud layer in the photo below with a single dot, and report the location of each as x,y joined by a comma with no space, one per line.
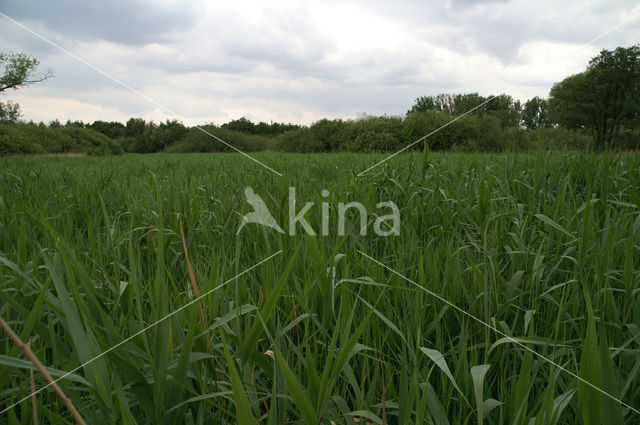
298,61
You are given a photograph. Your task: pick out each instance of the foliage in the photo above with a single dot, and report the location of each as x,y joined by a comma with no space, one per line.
603,98
535,113
29,138
468,133
471,133
139,136
365,135
441,103
111,129
507,110
504,107
9,111
19,70
201,140
91,253
244,125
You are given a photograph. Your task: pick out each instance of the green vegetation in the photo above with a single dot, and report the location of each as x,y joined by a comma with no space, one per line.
544,246
201,140
604,99
471,133
34,139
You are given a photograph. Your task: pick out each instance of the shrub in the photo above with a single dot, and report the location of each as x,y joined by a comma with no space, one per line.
467,133
29,138
198,141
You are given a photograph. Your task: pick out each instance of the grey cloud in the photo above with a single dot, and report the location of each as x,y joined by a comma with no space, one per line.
126,22
501,27
206,62
228,42
16,39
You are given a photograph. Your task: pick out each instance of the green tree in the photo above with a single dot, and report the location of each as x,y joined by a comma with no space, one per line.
242,125
111,129
442,103
505,108
601,98
422,104
326,135
9,111
17,70
536,113
172,131
135,127
464,103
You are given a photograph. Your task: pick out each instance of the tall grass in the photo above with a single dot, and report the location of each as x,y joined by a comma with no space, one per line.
546,246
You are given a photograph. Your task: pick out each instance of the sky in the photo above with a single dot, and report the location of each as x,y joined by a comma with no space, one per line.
297,61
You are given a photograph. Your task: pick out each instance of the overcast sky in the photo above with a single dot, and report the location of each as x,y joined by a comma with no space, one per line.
298,61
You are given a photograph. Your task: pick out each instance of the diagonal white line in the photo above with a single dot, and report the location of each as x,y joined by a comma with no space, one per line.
141,331
128,87
471,316
489,99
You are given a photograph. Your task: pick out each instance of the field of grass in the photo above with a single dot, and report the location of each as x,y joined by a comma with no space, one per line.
545,248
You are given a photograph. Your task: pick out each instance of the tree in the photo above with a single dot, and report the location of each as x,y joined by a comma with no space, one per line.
601,98
111,129
464,103
9,111
18,70
172,131
441,103
135,127
242,125
422,104
536,113
445,103
503,107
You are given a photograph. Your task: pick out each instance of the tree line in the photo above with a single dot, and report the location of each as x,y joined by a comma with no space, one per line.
597,109
534,113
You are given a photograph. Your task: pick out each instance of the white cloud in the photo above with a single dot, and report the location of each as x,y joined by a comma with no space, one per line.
43,108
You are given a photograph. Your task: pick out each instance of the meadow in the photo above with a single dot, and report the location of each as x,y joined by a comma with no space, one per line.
543,247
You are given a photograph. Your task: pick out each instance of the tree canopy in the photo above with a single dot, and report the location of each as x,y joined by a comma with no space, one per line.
535,113
18,70
503,106
602,98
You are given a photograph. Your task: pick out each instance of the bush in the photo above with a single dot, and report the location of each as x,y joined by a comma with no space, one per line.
290,140
382,134
326,136
29,138
468,133
140,144
516,139
560,139
198,141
